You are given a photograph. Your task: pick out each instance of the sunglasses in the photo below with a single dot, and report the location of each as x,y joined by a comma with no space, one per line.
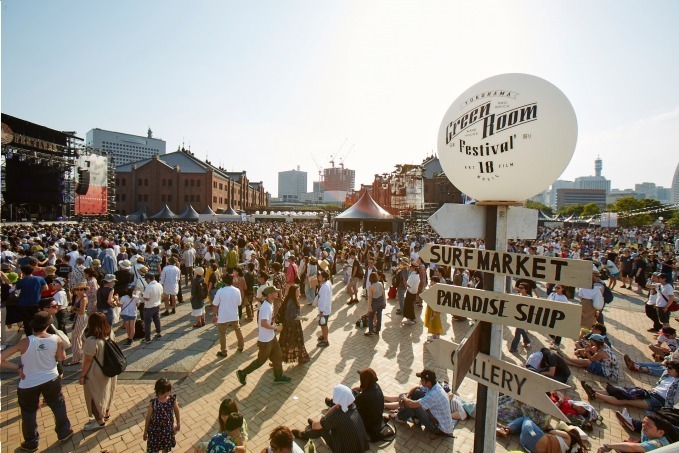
79,289
53,306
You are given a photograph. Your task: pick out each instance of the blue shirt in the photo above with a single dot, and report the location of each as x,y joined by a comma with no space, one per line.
436,401
30,290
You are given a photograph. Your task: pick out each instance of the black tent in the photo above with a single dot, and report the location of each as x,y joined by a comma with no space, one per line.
188,214
138,216
164,214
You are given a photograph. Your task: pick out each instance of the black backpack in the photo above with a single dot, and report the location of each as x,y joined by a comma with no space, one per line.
608,294
202,290
114,359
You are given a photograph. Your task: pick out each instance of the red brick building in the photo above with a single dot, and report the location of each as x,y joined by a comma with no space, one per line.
179,179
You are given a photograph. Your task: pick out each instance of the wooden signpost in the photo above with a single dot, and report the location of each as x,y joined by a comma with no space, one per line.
545,316
518,382
540,268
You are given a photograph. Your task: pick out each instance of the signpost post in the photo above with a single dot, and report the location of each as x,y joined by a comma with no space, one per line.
493,136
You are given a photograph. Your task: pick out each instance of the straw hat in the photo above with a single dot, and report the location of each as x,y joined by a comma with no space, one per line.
81,285
50,270
125,264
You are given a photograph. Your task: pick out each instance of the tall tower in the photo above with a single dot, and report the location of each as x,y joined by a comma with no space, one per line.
598,165
675,185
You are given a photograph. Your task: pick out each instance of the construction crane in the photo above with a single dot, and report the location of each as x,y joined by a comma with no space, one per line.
320,169
341,163
334,155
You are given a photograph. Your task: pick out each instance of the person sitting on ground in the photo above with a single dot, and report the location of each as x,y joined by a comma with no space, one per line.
229,436
341,427
427,405
664,394
554,366
597,329
227,408
668,336
579,413
281,441
656,432
598,358
534,439
653,368
369,401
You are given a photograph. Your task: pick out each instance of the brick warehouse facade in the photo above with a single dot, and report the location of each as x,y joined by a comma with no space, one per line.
179,179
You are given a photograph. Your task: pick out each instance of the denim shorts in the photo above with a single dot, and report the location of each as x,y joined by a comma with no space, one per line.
655,401
126,318
596,368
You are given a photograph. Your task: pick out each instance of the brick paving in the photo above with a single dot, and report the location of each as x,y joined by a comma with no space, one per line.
202,380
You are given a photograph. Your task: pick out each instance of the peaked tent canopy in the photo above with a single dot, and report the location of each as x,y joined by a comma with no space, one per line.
367,215
208,211
138,216
543,216
189,214
230,211
164,214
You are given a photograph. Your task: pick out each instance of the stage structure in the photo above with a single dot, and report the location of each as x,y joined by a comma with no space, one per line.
49,175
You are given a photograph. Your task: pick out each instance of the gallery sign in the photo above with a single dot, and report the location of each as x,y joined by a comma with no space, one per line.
507,137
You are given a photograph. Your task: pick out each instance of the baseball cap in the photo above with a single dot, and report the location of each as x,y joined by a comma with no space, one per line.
59,280
596,337
427,374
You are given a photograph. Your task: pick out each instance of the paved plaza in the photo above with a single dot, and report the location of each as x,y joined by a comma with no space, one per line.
202,380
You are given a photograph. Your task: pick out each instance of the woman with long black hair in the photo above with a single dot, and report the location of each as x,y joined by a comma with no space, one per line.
292,335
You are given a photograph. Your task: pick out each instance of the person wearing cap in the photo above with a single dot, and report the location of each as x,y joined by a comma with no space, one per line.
598,359
668,336
124,277
38,374
153,293
106,297
324,307
61,298
664,299
427,403
267,344
30,288
169,278
341,427
412,288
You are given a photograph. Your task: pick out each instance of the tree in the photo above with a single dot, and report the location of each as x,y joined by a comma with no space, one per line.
574,209
632,205
590,209
540,207
674,221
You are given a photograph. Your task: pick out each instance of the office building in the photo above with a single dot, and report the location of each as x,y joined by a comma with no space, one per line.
568,197
338,179
675,185
649,190
556,185
125,148
292,185
596,182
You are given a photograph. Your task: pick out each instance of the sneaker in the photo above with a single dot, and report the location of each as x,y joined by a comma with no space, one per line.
68,436
323,344
165,313
624,419
157,336
145,340
93,426
128,342
241,377
282,380
25,447
368,333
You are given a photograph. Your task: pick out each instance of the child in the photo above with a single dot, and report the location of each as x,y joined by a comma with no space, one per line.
597,328
160,428
668,335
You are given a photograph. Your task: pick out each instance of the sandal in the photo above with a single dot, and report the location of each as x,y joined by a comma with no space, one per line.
502,431
631,364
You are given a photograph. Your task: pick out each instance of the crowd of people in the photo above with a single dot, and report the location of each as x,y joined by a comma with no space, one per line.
66,287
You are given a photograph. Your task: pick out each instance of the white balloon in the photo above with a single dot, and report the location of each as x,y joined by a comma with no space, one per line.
507,138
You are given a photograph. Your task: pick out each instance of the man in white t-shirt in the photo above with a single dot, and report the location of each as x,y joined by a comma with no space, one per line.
61,299
268,346
664,300
169,278
324,307
188,258
225,313
152,297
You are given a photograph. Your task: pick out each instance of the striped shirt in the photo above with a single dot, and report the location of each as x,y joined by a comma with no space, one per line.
347,433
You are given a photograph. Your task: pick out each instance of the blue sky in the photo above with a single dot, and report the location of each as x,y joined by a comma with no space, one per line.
264,86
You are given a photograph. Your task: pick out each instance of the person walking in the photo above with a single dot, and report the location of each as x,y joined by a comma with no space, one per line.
152,297
169,278
106,297
519,333
377,302
198,294
39,377
29,288
78,307
268,346
292,335
99,388
225,313
324,307
160,426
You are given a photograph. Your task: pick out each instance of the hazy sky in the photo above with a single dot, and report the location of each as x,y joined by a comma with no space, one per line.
263,86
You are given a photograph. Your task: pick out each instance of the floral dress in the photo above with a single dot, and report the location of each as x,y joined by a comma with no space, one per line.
221,443
610,366
161,428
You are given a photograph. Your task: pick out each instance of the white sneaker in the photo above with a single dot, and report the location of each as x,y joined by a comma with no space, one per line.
626,415
92,426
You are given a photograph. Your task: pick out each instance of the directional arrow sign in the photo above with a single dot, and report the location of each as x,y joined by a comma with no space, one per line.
546,316
466,221
541,268
520,383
